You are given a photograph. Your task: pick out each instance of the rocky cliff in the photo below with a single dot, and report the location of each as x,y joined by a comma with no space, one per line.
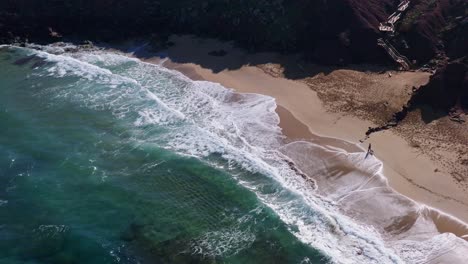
447,89
443,31
331,32
433,27
336,32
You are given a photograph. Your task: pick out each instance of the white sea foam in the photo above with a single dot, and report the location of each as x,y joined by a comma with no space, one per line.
204,118
225,242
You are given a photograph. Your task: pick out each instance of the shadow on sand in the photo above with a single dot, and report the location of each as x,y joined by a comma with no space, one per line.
219,56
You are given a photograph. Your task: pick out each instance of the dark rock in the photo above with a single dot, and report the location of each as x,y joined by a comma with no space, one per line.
445,94
333,32
329,32
217,53
447,88
431,27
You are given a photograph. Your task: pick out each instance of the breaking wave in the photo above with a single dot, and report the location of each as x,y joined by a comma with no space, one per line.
344,207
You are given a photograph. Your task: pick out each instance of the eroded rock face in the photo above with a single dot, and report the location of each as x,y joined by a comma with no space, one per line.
447,88
445,93
328,32
332,32
431,27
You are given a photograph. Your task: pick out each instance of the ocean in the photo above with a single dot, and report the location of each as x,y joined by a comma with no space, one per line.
108,159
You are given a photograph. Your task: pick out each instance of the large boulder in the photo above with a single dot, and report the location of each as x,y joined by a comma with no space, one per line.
447,88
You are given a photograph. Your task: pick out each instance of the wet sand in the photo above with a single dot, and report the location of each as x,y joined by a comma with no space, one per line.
294,130
303,116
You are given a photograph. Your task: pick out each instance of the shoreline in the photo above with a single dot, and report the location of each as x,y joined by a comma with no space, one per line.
294,129
303,115
444,222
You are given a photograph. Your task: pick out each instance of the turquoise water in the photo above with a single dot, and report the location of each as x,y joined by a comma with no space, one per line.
95,169
107,159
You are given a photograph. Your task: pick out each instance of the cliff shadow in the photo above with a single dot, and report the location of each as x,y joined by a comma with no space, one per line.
428,113
219,56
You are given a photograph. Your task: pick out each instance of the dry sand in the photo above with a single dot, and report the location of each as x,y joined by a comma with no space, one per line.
304,116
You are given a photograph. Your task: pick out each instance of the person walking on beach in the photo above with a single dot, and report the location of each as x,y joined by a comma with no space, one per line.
369,151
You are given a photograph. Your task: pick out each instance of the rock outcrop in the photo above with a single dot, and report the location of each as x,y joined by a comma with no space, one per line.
446,90
429,28
446,93
331,32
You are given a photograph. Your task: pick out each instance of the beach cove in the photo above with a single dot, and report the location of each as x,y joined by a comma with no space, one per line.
244,168
409,172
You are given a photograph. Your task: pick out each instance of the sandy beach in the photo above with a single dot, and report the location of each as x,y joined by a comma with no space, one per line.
304,115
